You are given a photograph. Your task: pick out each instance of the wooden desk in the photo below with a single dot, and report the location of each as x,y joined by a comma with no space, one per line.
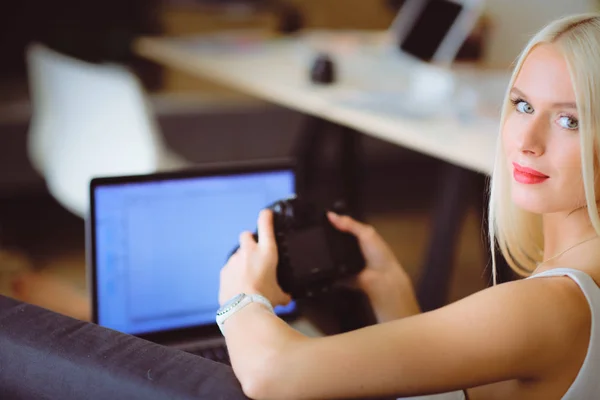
278,71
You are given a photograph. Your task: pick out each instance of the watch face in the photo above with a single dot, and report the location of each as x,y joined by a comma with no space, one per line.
230,304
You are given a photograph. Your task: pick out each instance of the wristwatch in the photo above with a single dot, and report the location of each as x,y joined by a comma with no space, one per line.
238,302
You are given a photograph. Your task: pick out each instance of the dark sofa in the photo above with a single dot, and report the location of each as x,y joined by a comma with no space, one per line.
45,355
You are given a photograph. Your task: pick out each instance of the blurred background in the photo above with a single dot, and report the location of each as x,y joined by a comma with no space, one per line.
42,241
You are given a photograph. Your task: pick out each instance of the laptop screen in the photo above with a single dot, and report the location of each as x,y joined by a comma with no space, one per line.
159,245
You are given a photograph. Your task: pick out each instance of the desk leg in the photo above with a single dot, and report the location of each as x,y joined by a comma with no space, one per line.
454,196
315,135
504,272
456,191
352,170
306,151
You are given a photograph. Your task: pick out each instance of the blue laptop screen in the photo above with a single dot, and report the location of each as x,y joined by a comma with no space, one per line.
160,245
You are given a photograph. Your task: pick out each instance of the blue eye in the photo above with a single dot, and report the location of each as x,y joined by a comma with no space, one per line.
524,107
568,122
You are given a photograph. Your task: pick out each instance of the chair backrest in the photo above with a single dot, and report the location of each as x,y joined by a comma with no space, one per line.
88,120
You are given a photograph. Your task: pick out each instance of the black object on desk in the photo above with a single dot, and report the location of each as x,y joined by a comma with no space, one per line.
323,71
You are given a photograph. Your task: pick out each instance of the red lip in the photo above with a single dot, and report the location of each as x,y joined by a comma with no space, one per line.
527,175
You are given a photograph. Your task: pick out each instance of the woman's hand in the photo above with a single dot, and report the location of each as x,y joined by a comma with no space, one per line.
253,268
385,282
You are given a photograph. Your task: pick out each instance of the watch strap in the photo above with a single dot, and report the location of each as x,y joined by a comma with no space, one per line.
224,314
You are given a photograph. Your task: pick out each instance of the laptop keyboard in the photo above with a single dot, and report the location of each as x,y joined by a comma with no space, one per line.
217,353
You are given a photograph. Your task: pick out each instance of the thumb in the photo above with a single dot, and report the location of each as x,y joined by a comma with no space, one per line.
266,231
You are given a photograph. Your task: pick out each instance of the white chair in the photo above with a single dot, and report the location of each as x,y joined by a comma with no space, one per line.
89,120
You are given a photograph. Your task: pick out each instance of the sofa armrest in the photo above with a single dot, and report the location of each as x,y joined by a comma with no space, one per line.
46,355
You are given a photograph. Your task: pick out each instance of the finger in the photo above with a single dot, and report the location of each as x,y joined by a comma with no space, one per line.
246,240
266,232
233,255
347,224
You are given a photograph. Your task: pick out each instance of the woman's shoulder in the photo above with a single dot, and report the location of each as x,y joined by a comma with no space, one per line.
578,283
559,292
547,313
550,300
555,304
543,318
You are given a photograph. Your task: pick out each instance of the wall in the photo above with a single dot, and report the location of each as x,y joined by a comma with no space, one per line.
182,20
514,22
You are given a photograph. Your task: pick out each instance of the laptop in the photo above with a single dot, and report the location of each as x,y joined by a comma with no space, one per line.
157,242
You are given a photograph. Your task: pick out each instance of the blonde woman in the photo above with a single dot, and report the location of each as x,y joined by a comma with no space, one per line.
535,338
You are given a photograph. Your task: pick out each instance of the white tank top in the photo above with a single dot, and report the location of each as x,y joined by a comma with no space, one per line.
586,384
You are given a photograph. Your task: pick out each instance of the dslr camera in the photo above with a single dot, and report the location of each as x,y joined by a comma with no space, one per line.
313,254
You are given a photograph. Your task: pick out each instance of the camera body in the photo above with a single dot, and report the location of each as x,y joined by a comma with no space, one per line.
313,254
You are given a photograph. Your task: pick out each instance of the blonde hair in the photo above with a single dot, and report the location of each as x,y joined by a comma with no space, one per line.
518,233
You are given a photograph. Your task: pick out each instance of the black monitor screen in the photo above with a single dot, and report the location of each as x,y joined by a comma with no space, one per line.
430,28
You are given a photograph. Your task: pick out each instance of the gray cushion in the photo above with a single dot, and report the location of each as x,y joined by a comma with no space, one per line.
45,355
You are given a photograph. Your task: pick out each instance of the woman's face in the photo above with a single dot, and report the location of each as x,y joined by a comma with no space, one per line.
541,136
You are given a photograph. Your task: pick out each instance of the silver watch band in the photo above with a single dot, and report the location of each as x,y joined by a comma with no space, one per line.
244,299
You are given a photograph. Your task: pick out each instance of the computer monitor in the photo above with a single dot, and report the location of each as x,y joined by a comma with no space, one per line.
434,30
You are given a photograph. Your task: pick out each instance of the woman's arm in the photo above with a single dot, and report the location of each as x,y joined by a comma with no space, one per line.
513,331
